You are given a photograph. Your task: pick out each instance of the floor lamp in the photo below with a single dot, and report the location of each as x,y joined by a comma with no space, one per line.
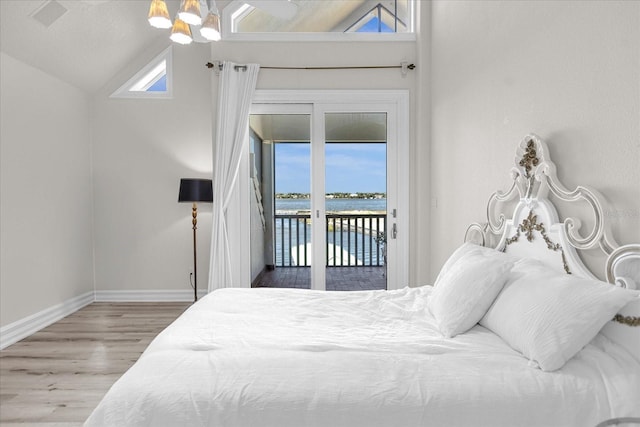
195,190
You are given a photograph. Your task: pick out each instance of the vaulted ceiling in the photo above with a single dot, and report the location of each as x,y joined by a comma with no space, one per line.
86,42
85,46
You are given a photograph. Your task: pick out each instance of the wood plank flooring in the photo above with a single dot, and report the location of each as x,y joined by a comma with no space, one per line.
57,376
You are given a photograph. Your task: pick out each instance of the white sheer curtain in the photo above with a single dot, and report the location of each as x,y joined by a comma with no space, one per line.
235,92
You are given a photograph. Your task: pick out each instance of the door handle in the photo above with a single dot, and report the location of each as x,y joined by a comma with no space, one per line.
394,231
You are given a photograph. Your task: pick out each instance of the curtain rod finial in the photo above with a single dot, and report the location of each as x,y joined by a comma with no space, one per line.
405,67
216,65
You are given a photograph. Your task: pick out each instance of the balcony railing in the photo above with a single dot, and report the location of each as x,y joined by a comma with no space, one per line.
352,240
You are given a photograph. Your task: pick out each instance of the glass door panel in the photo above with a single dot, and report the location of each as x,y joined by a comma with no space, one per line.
281,221
355,173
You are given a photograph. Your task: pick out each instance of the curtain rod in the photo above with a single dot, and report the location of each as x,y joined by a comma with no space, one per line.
404,67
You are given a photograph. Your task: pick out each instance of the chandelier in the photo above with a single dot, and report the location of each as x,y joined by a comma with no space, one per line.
197,20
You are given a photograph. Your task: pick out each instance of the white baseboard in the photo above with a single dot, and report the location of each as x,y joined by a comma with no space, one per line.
147,296
22,328
29,325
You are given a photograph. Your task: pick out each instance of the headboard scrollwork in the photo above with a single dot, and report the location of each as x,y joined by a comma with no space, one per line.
533,178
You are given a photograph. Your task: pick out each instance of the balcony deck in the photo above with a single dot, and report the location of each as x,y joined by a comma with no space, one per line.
338,278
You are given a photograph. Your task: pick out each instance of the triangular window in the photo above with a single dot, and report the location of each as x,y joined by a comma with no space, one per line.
152,81
378,20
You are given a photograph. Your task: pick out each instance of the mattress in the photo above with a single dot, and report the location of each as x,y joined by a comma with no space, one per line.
288,357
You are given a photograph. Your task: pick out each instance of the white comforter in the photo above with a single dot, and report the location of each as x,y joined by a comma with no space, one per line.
285,357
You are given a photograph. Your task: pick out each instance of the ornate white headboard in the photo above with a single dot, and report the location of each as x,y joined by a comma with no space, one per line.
534,230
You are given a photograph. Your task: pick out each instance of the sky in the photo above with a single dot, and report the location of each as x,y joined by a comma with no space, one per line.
350,168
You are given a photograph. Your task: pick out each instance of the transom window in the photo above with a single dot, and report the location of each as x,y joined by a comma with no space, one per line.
319,20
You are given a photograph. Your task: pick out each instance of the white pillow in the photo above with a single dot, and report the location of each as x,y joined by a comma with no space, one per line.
465,248
467,287
550,316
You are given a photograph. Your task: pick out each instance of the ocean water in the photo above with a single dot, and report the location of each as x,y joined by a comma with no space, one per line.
291,206
360,248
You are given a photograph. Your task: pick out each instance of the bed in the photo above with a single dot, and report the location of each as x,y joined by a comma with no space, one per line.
516,331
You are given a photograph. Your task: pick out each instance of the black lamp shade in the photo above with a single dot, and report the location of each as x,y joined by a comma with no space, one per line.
195,190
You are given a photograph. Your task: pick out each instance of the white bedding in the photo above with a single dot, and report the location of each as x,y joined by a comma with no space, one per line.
286,357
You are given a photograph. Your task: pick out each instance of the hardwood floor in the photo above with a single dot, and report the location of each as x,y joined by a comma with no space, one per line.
57,376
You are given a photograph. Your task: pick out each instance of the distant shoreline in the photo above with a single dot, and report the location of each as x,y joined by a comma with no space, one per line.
335,196
349,212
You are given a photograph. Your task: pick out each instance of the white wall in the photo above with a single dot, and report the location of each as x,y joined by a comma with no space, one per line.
46,252
420,192
567,71
141,149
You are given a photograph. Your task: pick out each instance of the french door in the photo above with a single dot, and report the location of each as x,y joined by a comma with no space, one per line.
375,123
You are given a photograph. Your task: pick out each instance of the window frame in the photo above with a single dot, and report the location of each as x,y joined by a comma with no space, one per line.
125,91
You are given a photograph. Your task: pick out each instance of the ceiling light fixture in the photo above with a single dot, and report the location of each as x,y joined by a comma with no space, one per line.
210,29
190,12
202,14
181,33
159,14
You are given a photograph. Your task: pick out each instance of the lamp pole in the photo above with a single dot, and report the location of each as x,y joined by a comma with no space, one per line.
194,221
